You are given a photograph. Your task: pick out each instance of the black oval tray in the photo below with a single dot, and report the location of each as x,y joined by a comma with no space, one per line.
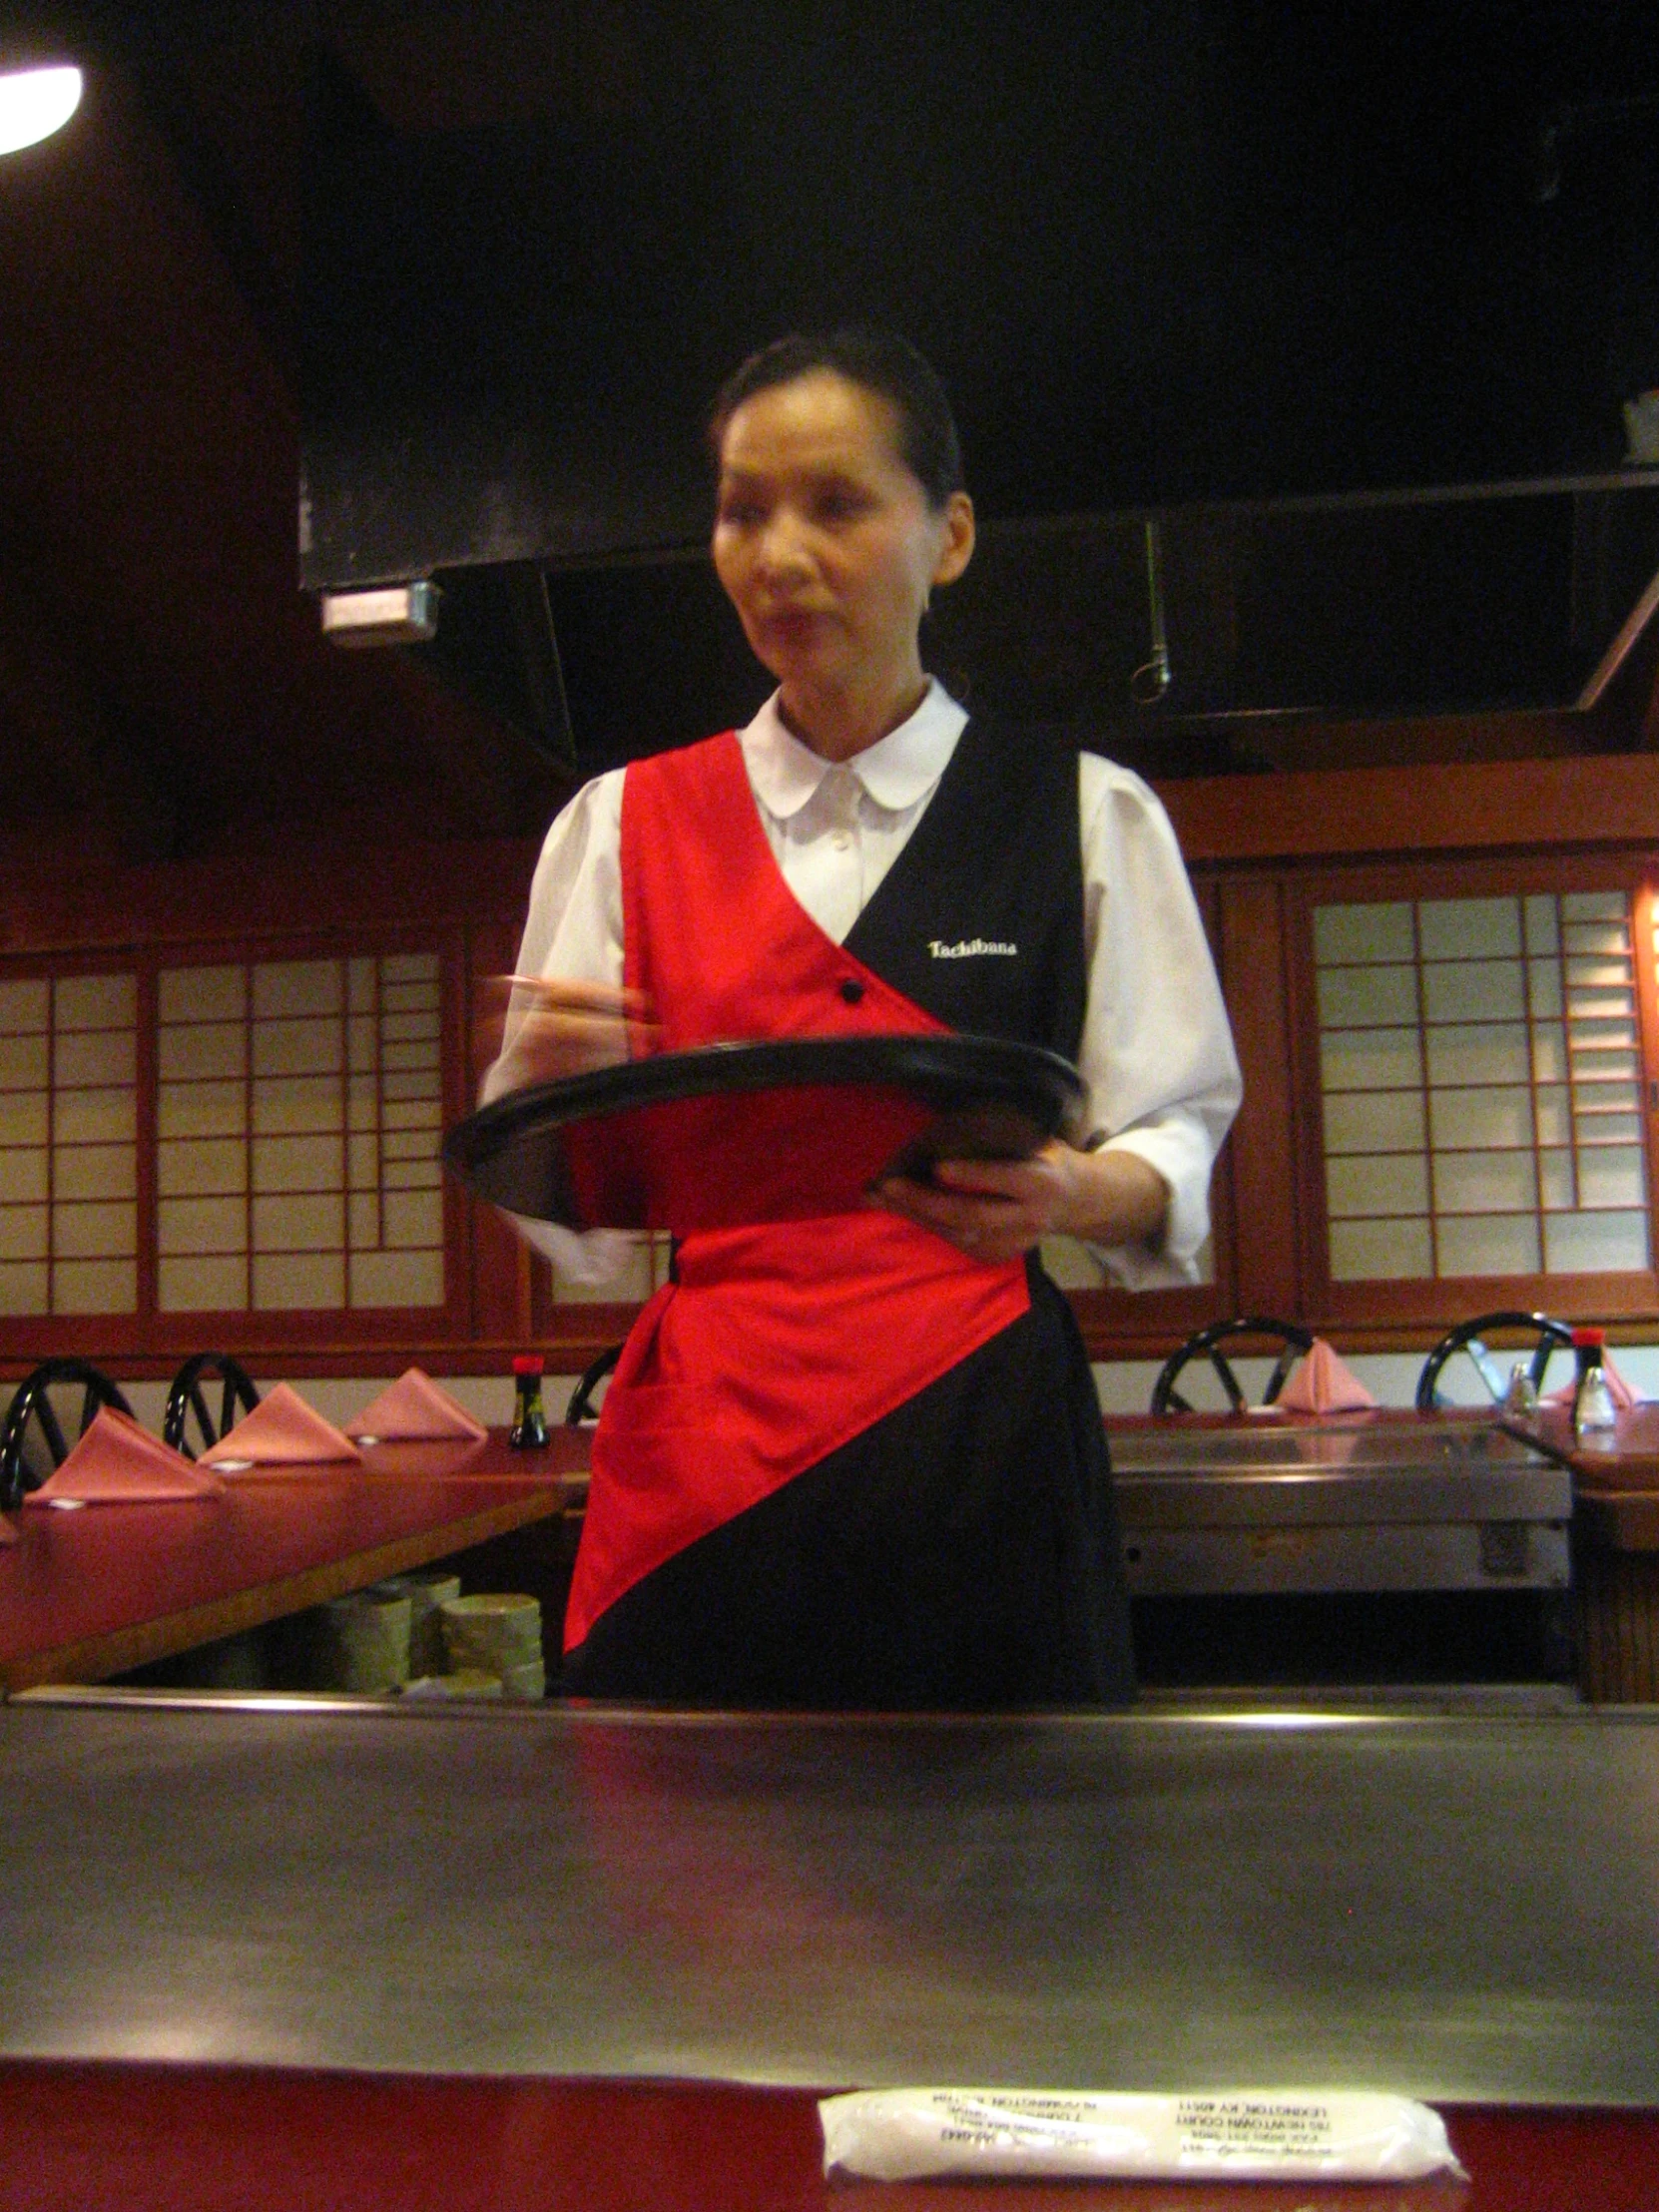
731,1135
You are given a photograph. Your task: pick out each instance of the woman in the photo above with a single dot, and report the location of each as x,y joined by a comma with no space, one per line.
860,1463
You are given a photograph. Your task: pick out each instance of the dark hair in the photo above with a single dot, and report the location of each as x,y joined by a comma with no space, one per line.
879,362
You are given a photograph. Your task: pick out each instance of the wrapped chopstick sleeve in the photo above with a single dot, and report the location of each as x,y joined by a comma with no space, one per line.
1244,2134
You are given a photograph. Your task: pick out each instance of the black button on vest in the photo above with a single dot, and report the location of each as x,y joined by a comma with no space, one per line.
852,990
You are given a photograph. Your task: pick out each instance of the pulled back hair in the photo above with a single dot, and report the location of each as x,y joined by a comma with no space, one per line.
876,360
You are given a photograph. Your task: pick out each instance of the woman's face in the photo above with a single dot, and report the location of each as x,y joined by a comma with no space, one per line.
823,539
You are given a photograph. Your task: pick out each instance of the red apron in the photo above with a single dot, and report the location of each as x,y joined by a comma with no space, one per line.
775,1346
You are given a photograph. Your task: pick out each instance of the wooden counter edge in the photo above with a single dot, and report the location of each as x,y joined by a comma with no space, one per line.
96,1658
1618,1521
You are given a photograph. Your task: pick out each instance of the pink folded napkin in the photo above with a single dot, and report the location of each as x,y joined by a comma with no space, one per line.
283,1431
118,1463
411,1408
1323,1385
1624,1395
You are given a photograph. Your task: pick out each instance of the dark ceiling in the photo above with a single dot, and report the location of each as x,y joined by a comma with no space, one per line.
167,688
1162,256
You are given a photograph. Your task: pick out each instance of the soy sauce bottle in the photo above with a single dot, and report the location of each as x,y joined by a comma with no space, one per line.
1594,1415
529,1428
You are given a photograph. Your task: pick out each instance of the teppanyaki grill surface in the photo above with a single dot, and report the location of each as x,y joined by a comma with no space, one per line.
731,1135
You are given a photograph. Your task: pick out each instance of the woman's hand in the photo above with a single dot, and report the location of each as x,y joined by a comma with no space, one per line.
557,1028
996,1210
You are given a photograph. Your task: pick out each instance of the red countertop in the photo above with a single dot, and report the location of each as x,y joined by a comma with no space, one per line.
83,1596
83,2138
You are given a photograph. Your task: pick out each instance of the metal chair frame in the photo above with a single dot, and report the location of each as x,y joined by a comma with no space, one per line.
1469,1336
185,1396
33,1403
1203,1343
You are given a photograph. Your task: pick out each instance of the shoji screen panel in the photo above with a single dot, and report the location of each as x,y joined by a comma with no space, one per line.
1480,1084
299,1110
69,1225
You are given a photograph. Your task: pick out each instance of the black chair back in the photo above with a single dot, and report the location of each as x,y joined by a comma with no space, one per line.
34,1440
188,1395
581,1406
1205,1344
1470,1336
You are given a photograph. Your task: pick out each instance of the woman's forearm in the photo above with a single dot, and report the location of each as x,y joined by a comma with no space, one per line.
1109,1197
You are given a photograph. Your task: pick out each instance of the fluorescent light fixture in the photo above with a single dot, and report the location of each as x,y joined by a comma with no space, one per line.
34,102
399,614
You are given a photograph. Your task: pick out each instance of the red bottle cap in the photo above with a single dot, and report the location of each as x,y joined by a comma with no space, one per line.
1586,1338
527,1363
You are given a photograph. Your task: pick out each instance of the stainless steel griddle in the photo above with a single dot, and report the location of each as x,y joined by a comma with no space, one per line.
1461,1905
1351,1504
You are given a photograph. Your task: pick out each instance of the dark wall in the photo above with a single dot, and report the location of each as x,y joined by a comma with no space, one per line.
1207,250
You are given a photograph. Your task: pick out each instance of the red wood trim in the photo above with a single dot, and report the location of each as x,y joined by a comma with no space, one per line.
1260,1150
1605,799
1108,1332
497,1259
1413,1305
1144,1325
1608,800
1470,875
455,1081
1306,1090
575,1333
314,937
57,911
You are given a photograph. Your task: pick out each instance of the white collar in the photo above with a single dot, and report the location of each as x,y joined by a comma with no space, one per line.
896,772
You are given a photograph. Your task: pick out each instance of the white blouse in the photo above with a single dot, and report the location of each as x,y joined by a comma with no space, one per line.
1157,1053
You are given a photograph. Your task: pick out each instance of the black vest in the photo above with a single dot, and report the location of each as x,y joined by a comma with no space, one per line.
980,919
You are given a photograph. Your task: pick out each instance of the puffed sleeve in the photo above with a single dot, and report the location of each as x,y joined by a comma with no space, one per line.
573,930
1157,1050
